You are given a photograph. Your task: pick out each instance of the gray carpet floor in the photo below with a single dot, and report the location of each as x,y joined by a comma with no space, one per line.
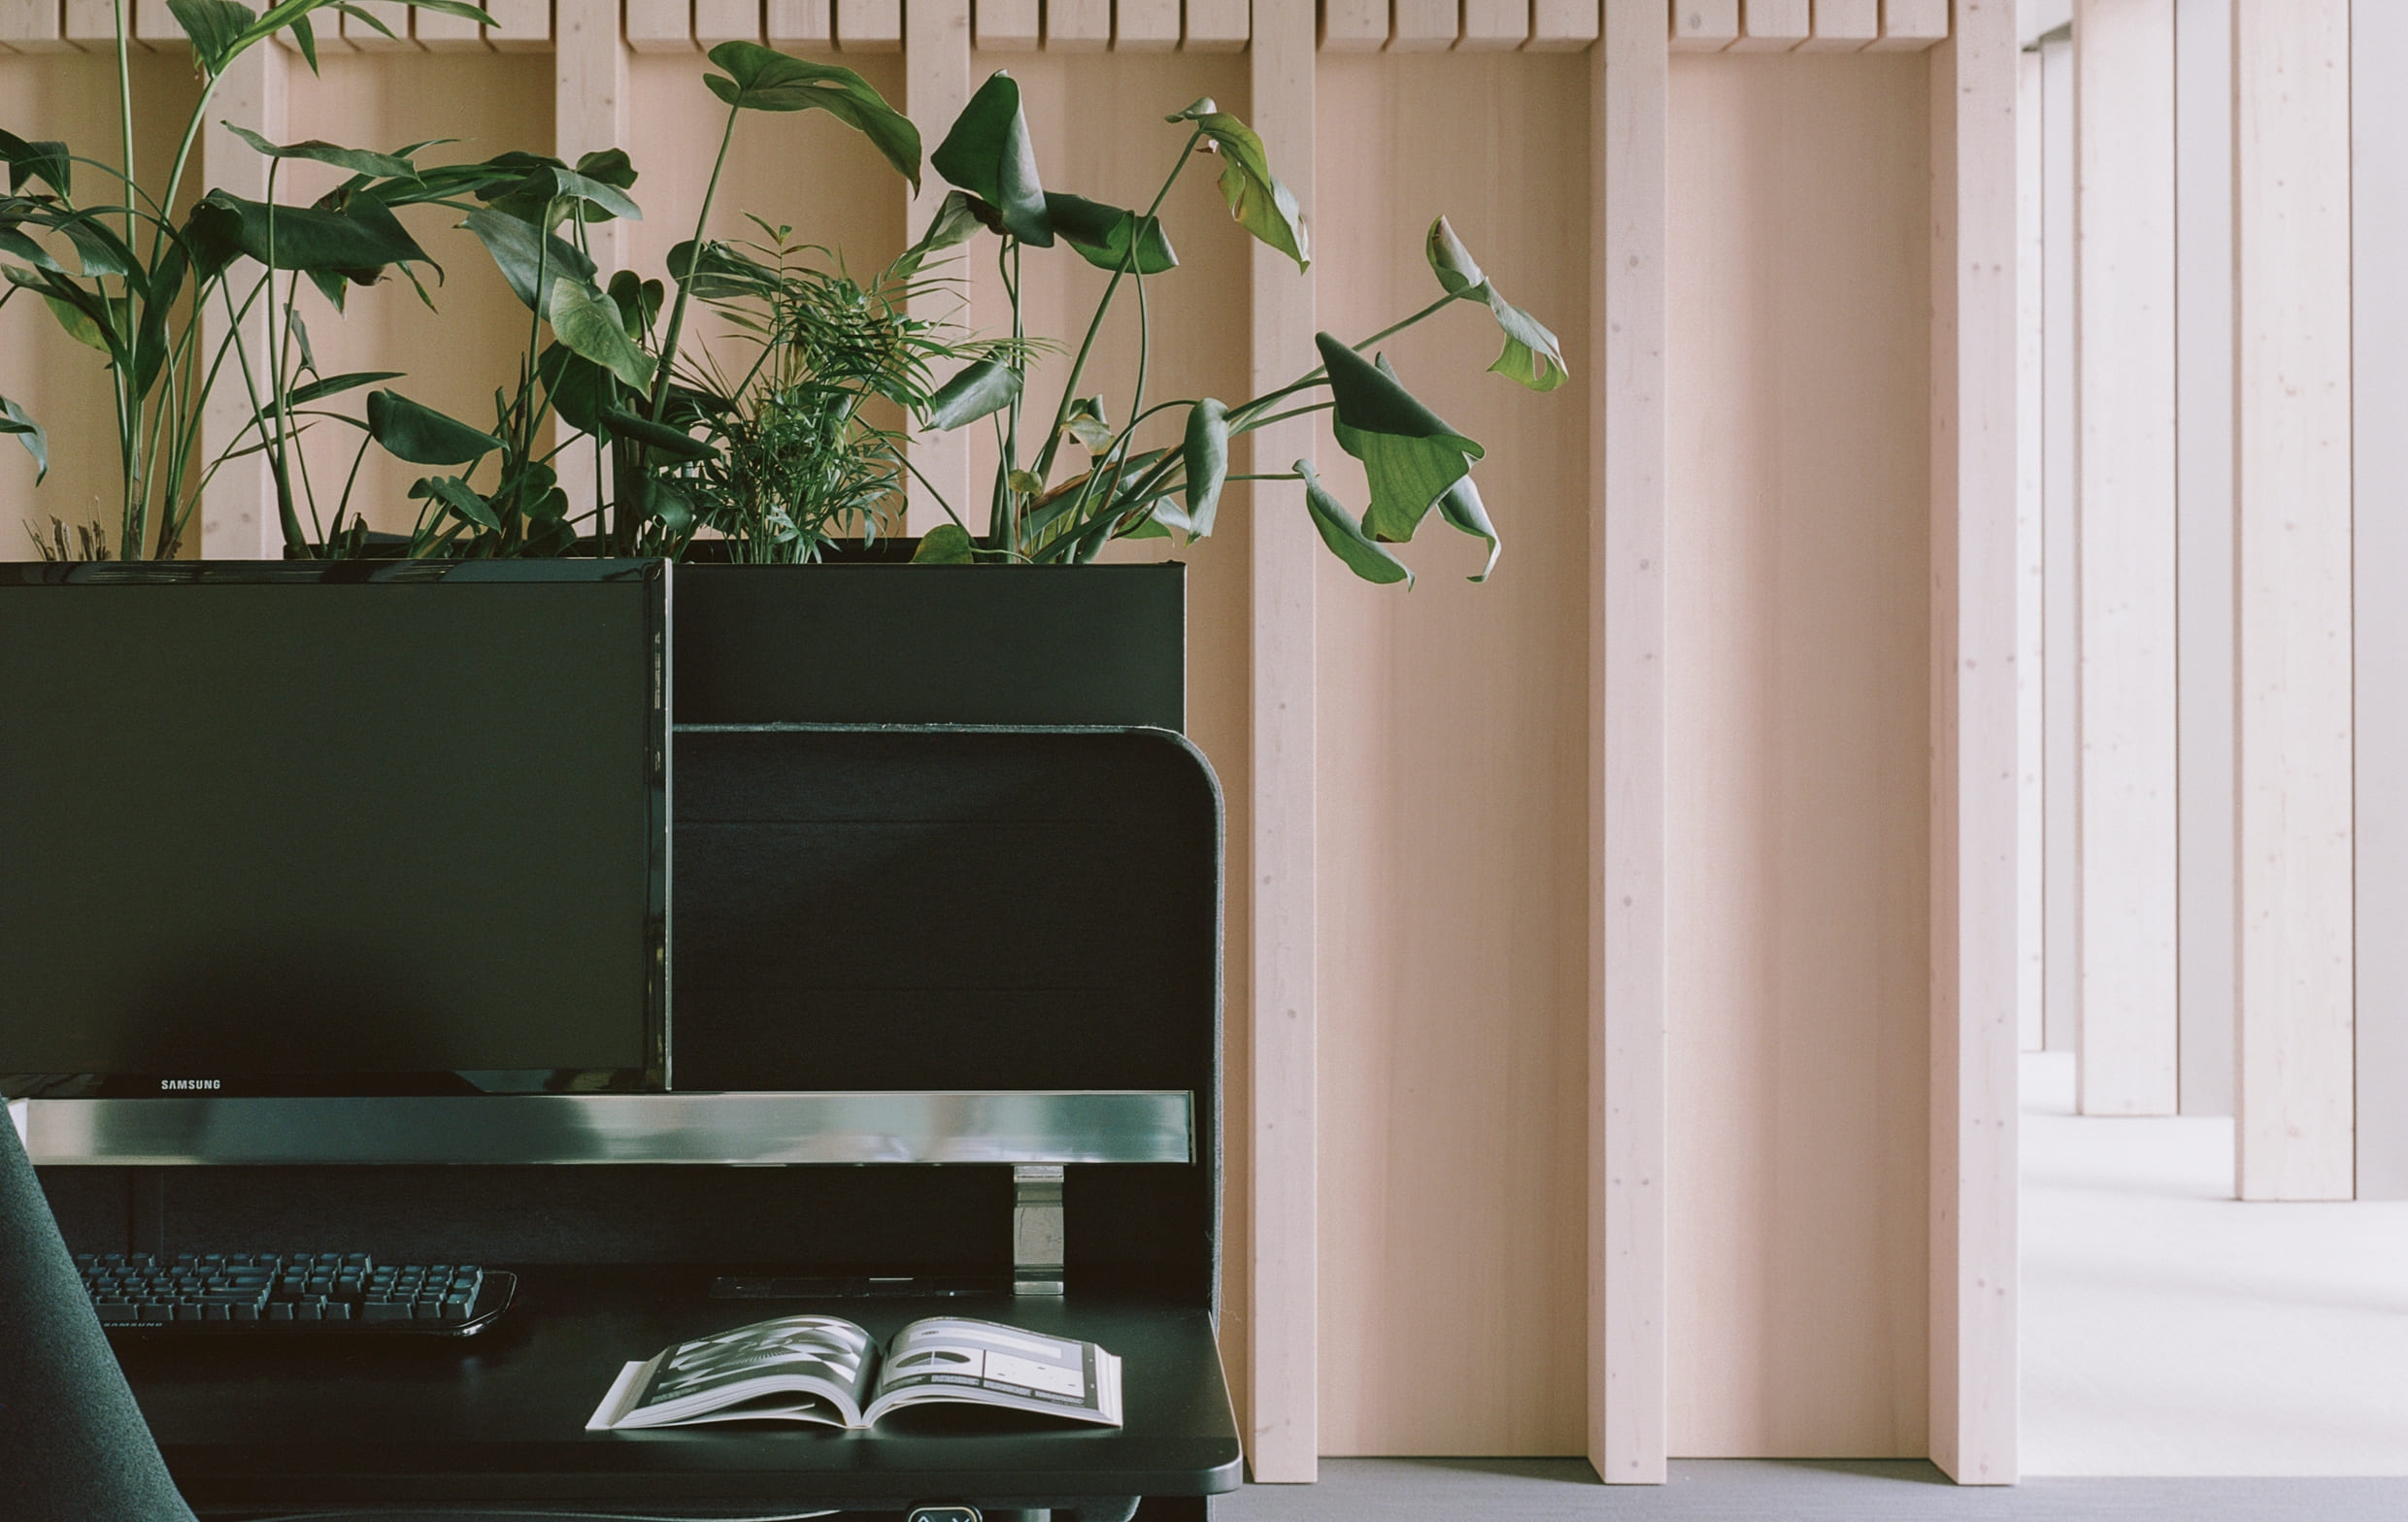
1733,1490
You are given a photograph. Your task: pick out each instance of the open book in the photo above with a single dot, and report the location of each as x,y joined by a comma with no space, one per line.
821,1369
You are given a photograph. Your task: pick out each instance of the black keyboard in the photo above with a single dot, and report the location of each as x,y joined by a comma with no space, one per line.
278,1293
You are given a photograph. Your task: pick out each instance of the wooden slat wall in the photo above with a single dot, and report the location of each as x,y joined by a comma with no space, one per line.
2290,139
2031,399
2062,600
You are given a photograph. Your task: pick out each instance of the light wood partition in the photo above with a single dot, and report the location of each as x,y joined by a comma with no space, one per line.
2291,133
2030,564
2123,126
2379,559
2060,612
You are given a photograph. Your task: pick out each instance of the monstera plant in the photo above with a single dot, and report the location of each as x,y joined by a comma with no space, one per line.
125,273
1046,508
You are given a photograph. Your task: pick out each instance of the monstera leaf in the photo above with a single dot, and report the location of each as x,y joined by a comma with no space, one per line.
988,153
1532,356
762,79
1256,197
1345,537
1409,453
1103,234
410,431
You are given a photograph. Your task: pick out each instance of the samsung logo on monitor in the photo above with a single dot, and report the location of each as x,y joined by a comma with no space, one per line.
185,1085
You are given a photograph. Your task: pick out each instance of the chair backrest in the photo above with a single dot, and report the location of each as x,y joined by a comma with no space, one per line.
73,1444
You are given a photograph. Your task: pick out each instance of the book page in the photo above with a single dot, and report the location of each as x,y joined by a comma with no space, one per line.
810,1368
959,1359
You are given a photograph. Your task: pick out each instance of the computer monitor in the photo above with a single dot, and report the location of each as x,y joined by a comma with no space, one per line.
372,828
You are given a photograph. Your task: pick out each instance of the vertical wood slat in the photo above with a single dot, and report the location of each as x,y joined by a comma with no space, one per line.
1562,25
2123,113
2379,559
2030,697
1008,25
1424,26
1218,26
869,25
1843,26
1909,25
2291,317
1629,1136
92,24
1773,25
797,25
158,28
520,25
936,86
2203,547
1077,25
718,22
33,27
238,508
2062,598
1354,25
1704,25
1494,25
1283,1437
1145,25
660,25
1974,1071
590,111
437,32
365,37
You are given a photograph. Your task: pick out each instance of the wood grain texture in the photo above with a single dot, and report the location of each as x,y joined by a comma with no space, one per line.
1424,26
1145,25
799,26
365,37
2061,597
157,28
660,25
1909,25
936,86
1562,25
2203,565
718,22
1077,25
238,512
89,24
437,32
869,25
1773,25
1283,1418
2379,393
2031,566
1628,638
590,111
1800,828
1008,25
34,26
1704,25
2123,113
1975,830
1453,998
2295,1108
1354,25
1218,26
519,25
1843,26
1494,25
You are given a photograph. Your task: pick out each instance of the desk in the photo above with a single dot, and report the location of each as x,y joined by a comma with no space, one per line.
498,1418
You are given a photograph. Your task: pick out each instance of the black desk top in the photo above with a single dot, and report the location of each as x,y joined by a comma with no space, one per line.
501,1416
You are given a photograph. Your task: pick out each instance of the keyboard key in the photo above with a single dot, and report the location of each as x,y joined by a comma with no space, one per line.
118,1310
385,1310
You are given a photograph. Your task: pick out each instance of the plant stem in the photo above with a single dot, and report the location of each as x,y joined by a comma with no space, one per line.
1321,372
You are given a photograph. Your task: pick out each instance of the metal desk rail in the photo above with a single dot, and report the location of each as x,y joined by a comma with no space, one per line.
1034,1131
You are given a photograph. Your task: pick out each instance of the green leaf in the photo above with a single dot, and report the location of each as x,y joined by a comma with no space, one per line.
422,436
762,79
78,323
49,162
1345,537
578,388
356,159
1206,459
86,317
1028,484
1410,454
330,386
638,300
16,243
355,240
16,421
610,166
587,323
985,388
1461,507
98,246
456,494
664,499
1088,424
674,442
1532,355
1102,234
946,544
521,250
216,28
956,222
988,154
1256,197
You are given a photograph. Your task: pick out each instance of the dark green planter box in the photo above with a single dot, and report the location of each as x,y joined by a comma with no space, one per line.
888,644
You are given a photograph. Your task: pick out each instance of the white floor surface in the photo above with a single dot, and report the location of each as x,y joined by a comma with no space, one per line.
2171,1330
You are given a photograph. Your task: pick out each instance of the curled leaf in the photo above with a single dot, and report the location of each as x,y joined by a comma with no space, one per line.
1207,461
762,79
1409,452
1255,198
1461,507
1532,356
414,432
981,389
1110,237
15,420
988,154
1345,537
